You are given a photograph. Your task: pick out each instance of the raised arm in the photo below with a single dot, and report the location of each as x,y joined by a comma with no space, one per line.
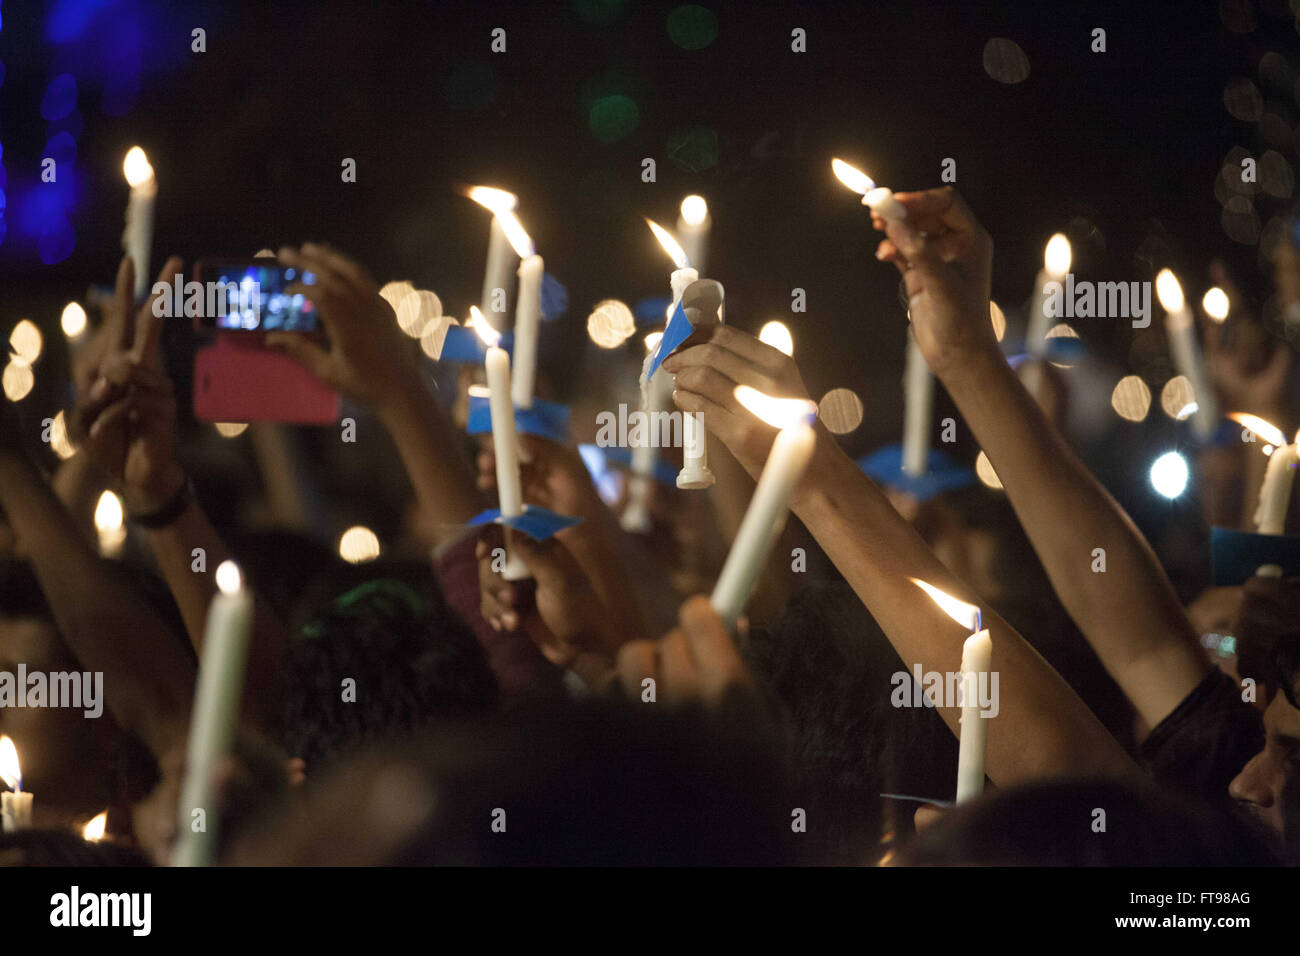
1042,726
1129,614
367,360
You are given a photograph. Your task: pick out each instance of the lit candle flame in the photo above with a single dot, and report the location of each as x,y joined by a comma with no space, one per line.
93,831
1169,291
1215,304
1262,429
670,244
136,167
967,615
479,324
1057,255
777,334
852,177
777,412
108,513
516,233
10,772
229,578
495,200
694,210
73,320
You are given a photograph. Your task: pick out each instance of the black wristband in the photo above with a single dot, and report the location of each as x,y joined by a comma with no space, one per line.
169,512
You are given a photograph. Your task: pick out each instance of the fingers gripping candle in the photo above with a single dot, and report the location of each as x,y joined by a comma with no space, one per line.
505,443
976,663
765,516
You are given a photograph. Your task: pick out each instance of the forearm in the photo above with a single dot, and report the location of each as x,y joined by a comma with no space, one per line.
108,625
1130,613
77,484
432,456
1042,726
188,553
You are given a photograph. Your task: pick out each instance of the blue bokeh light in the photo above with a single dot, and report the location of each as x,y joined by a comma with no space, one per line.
60,97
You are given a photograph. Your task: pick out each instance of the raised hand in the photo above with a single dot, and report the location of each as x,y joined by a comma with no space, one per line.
946,259
368,358
706,377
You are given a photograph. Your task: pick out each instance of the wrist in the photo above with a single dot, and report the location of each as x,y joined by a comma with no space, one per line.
155,494
401,400
970,366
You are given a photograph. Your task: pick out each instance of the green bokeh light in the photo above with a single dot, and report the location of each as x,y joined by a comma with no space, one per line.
692,27
599,11
611,118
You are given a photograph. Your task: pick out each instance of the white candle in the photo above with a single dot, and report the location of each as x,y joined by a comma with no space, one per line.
640,480
764,518
217,694
528,315
693,227
138,235
15,803
918,396
976,657
1275,492
1186,351
500,258
1057,256
976,661
505,442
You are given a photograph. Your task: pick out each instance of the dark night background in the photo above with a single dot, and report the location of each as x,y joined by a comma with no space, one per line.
1121,148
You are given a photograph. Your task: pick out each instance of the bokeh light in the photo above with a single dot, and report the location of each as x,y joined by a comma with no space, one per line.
1169,474
777,335
230,429
358,545
840,410
1131,398
73,320
610,324
984,471
1178,398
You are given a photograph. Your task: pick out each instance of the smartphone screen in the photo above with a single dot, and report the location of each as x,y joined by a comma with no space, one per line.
250,296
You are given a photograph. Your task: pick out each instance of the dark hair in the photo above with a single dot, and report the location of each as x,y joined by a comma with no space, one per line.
1058,823
597,783
829,664
411,660
62,848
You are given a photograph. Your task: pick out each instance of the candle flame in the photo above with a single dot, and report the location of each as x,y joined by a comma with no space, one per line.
670,244
777,334
1261,428
777,412
967,615
229,578
1057,255
652,341
495,200
93,831
479,324
1215,303
694,210
10,772
1169,291
136,167
516,233
108,513
852,177
73,320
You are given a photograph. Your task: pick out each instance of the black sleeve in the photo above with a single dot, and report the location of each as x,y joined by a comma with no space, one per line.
1205,741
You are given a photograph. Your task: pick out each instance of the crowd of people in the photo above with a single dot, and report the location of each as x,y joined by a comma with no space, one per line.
421,709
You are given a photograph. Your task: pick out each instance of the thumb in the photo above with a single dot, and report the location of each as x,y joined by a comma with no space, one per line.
550,561
303,350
